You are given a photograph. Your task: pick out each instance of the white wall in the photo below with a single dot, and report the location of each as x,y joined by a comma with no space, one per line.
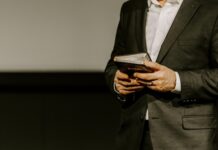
57,35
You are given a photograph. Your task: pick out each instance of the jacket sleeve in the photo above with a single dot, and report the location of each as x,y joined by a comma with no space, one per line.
119,47
203,84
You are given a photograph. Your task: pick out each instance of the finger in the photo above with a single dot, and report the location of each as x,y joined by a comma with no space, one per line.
134,88
122,76
152,65
146,83
120,87
126,92
133,82
151,83
146,76
123,92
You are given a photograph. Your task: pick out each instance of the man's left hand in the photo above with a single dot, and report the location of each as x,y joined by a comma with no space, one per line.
162,79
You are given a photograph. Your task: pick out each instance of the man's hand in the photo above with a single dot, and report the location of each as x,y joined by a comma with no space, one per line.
126,85
162,79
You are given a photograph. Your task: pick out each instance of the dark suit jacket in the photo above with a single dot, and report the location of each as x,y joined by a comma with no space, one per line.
185,121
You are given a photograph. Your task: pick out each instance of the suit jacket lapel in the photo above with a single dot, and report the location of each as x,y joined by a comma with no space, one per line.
184,15
140,21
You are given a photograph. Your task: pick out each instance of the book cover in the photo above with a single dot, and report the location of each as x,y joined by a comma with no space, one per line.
132,63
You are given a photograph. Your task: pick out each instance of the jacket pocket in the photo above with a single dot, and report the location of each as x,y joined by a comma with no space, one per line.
199,122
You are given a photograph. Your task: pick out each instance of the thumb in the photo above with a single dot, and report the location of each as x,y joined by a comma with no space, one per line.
152,65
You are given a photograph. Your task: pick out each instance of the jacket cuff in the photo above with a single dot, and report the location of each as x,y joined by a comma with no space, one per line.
187,85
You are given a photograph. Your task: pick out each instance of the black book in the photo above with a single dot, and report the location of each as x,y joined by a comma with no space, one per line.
132,63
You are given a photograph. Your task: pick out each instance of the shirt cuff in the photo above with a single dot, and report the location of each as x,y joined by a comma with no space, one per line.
177,88
115,88
119,97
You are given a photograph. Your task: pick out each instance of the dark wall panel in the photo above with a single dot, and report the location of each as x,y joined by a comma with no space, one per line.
21,126
56,114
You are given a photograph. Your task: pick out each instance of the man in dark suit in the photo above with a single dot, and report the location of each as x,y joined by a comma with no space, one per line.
174,107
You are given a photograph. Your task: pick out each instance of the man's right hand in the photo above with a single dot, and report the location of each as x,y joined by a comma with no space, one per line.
126,85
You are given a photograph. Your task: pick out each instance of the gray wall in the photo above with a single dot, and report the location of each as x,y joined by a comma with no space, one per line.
57,35
56,111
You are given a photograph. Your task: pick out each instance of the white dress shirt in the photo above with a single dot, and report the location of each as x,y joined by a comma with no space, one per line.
159,21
